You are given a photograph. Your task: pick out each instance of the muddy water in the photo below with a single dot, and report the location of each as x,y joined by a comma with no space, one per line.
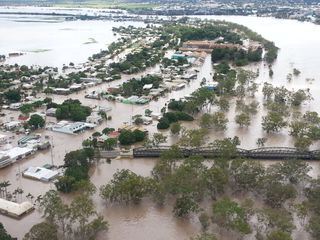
51,41
298,49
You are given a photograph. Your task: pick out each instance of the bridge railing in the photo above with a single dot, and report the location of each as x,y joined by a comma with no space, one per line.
276,153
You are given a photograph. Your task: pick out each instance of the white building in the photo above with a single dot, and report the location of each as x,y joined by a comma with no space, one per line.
12,125
40,174
72,127
15,210
18,153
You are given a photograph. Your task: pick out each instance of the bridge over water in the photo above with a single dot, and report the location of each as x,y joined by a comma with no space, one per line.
270,153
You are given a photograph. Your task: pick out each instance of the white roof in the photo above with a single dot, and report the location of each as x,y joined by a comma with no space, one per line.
16,152
3,136
147,86
40,173
12,124
15,209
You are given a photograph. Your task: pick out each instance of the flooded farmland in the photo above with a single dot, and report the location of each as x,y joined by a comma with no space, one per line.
299,48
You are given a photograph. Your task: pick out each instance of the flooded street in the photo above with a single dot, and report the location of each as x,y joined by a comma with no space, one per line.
299,48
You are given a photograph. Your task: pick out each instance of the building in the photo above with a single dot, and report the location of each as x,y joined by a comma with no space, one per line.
40,174
62,91
4,160
15,210
72,127
12,125
24,140
3,138
94,118
18,153
91,80
205,46
51,112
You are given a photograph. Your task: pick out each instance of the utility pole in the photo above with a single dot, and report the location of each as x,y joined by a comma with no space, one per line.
51,151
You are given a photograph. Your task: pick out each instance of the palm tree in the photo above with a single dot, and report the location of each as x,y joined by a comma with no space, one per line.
38,199
19,192
1,189
5,185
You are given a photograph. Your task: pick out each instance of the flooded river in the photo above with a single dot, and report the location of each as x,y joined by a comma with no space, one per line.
299,49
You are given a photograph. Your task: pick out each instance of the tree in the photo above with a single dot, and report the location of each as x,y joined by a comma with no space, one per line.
243,119
107,130
261,142
126,186
76,221
175,128
303,143
279,235
185,205
193,137
204,220
219,121
273,122
138,135
215,180
26,108
277,194
292,171
230,215
247,175
279,219
156,140
76,164
36,121
3,233
314,226
41,231
163,123
206,121
110,144
223,104
13,95
126,137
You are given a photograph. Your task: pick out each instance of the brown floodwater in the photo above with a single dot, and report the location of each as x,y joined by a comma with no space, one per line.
299,48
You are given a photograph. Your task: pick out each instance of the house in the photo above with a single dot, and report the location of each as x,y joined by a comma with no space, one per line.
94,118
212,86
91,80
24,140
40,174
51,112
62,91
12,125
75,87
15,106
3,138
